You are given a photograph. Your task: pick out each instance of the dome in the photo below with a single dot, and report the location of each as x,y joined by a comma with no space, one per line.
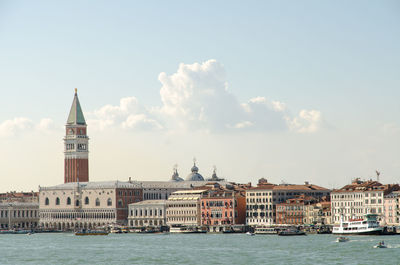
194,176
175,176
214,176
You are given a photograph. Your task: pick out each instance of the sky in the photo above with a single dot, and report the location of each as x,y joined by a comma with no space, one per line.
291,91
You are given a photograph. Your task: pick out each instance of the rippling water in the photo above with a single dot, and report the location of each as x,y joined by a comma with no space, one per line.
65,248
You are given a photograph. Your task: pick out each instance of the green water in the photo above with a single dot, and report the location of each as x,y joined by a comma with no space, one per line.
195,249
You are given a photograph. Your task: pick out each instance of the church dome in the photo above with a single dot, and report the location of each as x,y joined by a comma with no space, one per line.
214,176
194,176
175,176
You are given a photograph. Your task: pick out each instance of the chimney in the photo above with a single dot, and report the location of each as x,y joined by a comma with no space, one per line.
306,183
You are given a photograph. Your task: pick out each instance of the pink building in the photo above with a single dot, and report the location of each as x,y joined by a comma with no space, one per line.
221,208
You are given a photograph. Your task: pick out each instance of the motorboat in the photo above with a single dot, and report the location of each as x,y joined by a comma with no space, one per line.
250,234
88,232
363,226
342,239
381,244
291,232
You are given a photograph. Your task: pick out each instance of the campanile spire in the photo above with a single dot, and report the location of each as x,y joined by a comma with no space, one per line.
76,145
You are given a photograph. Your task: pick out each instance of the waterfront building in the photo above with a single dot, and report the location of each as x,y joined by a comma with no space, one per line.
76,145
19,215
292,211
261,201
183,208
391,208
87,204
318,213
149,213
355,200
223,208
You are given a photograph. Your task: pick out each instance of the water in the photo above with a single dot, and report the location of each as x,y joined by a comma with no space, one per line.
65,248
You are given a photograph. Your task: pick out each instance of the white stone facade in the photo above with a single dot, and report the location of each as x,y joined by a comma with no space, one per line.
150,213
19,215
183,208
86,205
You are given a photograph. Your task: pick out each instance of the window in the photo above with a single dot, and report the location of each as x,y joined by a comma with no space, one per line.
97,202
68,201
120,203
57,201
77,203
109,202
46,201
86,200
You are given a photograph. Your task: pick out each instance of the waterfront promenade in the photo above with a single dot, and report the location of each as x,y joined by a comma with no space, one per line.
65,248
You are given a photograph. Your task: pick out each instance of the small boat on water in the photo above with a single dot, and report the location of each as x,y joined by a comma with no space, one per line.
342,239
381,244
250,234
291,232
18,232
91,233
265,231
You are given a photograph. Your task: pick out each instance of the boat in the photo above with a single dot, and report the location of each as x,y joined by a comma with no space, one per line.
291,232
265,231
19,232
363,226
381,245
186,230
342,239
250,234
91,233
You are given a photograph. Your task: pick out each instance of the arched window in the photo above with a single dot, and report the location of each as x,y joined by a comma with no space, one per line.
119,203
46,201
109,202
97,202
68,201
77,203
57,201
86,200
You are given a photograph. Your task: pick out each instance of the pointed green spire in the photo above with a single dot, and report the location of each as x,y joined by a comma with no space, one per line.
75,114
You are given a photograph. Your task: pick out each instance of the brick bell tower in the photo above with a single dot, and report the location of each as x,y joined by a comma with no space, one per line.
76,145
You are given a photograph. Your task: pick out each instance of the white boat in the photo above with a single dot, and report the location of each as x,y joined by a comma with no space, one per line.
186,230
366,226
265,231
342,239
250,234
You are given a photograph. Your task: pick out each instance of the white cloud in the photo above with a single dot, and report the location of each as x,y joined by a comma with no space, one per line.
20,125
129,114
308,121
15,126
194,98
141,121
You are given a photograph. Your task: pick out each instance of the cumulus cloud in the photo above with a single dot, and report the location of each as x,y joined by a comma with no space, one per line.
197,97
129,114
15,126
308,121
20,125
194,98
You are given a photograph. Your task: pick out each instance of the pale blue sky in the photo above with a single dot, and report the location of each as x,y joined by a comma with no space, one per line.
341,58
